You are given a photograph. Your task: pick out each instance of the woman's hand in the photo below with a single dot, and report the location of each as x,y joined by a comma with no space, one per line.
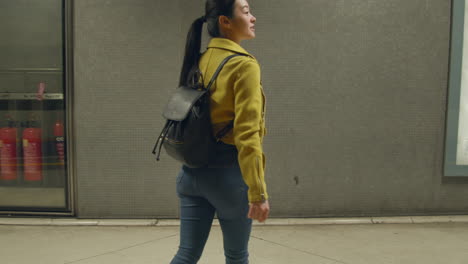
259,211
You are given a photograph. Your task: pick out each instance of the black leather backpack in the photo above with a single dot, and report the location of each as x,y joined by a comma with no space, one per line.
187,135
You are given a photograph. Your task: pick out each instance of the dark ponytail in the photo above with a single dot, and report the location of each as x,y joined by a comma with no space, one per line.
213,8
192,52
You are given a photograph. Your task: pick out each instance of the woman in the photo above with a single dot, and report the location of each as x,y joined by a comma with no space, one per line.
234,186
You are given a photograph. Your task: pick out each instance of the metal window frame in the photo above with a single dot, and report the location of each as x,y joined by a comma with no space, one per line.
69,82
68,52
451,169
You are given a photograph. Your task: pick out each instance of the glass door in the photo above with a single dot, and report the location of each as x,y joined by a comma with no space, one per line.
33,116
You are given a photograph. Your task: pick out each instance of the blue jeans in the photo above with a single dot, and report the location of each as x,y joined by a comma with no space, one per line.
202,192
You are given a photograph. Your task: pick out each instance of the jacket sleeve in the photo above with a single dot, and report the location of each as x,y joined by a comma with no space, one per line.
248,107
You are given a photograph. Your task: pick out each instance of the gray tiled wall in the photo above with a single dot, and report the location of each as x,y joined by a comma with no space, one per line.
356,98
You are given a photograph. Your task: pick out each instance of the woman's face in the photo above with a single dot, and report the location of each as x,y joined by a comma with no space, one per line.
241,26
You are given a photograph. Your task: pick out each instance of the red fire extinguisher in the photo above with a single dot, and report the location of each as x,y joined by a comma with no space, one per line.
8,158
32,152
59,141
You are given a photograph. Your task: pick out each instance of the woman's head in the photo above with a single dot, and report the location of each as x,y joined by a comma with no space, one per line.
230,19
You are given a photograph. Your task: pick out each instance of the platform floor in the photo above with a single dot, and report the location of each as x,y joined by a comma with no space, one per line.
423,243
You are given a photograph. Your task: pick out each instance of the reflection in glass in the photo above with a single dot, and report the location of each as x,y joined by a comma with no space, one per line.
32,108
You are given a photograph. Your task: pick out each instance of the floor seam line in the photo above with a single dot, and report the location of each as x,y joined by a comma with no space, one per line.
121,249
300,250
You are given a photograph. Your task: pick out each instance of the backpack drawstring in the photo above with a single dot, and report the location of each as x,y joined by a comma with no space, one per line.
161,138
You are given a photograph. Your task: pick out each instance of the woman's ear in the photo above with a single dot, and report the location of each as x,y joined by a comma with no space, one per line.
224,22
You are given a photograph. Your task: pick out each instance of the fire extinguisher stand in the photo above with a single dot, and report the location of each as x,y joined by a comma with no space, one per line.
32,152
32,141
8,152
59,150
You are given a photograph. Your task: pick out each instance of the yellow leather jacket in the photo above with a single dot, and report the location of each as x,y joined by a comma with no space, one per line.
237,94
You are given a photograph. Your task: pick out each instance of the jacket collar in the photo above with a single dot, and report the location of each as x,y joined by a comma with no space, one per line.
227,44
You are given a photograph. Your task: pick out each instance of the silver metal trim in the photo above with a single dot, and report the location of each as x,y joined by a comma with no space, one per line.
30,96
53,70
17,213
69,88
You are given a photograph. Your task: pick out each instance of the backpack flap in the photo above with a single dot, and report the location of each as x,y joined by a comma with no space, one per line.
181,102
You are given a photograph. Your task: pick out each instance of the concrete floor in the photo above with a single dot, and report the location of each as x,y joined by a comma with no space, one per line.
431,243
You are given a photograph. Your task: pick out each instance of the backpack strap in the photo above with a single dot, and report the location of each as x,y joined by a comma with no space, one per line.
220,67
229,126
224,131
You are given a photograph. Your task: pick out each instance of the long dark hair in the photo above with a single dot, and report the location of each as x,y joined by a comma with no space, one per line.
213,9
